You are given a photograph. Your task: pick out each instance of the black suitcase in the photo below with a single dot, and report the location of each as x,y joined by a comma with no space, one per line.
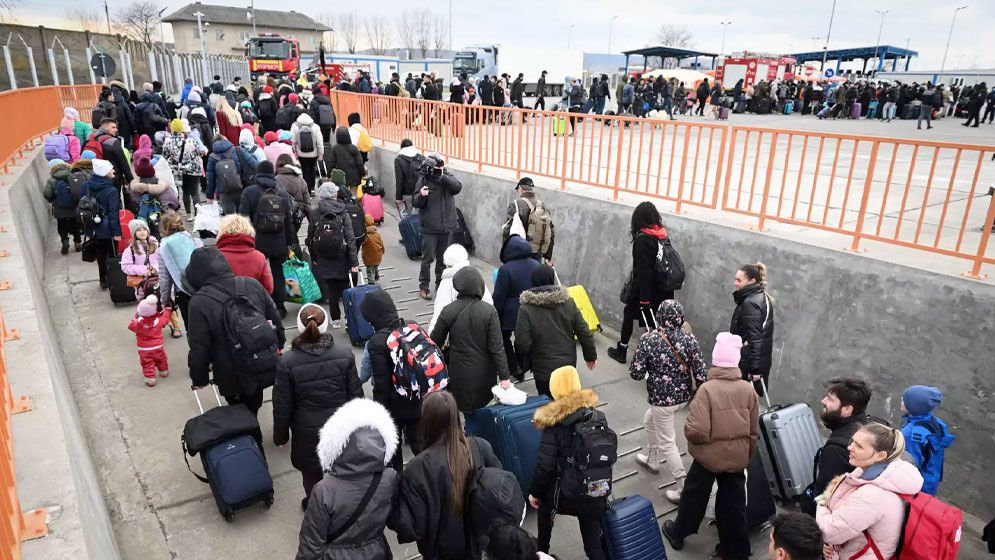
117,283
760,506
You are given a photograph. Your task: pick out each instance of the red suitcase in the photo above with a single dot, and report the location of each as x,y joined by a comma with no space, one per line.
373,205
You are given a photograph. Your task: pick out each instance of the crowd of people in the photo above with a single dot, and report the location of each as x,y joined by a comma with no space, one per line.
267,159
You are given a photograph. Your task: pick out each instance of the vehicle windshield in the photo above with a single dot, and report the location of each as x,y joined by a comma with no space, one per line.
468,65
269,49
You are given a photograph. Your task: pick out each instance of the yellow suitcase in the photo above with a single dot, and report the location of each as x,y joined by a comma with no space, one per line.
580,297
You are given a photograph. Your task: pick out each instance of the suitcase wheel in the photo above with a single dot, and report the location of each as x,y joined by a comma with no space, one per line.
228,514
269,501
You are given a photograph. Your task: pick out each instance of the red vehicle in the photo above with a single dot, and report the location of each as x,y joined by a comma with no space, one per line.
754,67
273,54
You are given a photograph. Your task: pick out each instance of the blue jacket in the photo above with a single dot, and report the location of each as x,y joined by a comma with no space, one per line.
223,149
109,199
513,278
925,439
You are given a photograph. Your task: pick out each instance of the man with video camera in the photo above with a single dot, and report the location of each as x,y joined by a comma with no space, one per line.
434,200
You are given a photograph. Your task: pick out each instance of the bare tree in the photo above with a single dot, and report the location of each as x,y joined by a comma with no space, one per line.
8,12
405,30
675,35
440,33
349,28
85,18
378,33
422,24
329,37
138,21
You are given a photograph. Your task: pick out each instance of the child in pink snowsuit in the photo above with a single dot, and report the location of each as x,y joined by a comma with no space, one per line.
147,326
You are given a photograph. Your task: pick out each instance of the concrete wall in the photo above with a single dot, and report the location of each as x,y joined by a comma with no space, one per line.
54,466
837,313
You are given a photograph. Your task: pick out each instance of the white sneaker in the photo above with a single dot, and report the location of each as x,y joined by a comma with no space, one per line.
190,218
336,324
674,496
150,381
643,460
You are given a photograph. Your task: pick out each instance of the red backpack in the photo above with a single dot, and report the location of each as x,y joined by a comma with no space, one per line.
96,143
931,531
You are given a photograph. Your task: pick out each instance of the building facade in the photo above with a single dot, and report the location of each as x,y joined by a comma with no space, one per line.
227,28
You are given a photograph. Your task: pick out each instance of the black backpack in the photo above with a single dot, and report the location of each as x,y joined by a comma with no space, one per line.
270,212
329,238
305,142
89,211
104,109
414,173
285,117
669,268
252,339
326,115
227,179
358,218
493,496
587,473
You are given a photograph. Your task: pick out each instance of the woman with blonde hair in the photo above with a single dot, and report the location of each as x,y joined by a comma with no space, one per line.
861,513
237,242
174,255
229,120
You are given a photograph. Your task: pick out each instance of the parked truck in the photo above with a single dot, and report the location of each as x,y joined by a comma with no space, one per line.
478,61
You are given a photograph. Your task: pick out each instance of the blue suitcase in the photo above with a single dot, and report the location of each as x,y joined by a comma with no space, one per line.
484,422
410,227
511,434
359,329
239,477
629,531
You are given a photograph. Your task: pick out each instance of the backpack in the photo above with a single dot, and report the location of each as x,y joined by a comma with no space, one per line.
104,109
931,531
270,212
149,208
284,118
245,171
365,143
669,268
95,143
373,187
326,116
57,147
419,368
205,128
305,140
539,229
251,337
414,173
358,217
329,238
63,195
593,451
89,211
227,179
493,496
247,115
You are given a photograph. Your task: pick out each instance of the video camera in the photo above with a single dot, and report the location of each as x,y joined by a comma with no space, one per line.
432,166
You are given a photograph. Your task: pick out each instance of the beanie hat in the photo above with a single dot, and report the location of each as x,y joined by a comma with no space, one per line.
543,275
246,104
71,113
285,136
135,225
245,137
307,311
176,126
267,89
199,111
327,191
920,400
160,137
146,86
193,96
293,97
270,136
102,167
148,306
337,176
265,167
88,154
67,123
526,184
248,126
725,353
564,381
53,162
143,168
344,193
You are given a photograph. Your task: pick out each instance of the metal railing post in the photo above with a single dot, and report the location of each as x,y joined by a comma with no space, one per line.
983,244
868,183
770,171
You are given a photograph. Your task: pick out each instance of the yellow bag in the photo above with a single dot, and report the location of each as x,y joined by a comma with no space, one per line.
365,143
580,297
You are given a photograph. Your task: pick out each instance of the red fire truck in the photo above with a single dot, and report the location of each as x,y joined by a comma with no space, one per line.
273,54
754,67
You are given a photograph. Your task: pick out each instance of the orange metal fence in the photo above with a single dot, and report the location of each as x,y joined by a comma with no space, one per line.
910,193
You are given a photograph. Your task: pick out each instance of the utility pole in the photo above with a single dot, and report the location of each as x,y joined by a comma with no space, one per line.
878,44
252,15
943,66
203,46
725,26
569,33
107,12
825,48
610,23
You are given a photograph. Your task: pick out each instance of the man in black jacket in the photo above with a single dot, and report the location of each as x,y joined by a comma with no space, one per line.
843,412
517,91
112,148
149,115
541,92
260,202
125,117
434,199
405,176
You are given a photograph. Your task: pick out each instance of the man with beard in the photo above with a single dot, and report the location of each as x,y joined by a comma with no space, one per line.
843,412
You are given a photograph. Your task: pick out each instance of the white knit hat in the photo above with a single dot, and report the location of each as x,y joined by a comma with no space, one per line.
102,167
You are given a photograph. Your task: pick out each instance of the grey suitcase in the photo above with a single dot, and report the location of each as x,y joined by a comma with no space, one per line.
789,440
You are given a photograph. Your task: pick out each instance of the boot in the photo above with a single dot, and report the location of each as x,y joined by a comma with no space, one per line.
649,461
78,246
618,352
65,247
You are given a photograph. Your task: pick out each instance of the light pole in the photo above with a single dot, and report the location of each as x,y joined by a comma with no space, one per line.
203,46
569,33
943,66
610,23
815,42
162,35
878,44
825,48
450,25
725,26
252,15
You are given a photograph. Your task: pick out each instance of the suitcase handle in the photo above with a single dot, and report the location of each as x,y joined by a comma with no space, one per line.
197,396
763,385
642,311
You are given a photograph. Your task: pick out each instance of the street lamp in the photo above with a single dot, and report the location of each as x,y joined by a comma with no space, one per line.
252,15
162,35
203,46
878,44
815,42
825,48
569,32
943,66
725,26
610,23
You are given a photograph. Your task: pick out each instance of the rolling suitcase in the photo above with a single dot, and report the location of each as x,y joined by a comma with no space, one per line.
579,294
117,283
519,442
559,125
410,227
461,234
723,113
629,531
855,110
824,112
789,107
739,107
789,439
373,205
359,329
484,422
760,506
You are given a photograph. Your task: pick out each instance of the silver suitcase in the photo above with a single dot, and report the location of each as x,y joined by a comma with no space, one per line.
789,440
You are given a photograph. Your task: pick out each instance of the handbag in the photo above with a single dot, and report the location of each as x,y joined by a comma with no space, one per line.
88,250
136,280
626,291
517,227
692,381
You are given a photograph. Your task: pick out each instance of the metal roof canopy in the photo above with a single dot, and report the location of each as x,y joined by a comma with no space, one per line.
666,52
884,52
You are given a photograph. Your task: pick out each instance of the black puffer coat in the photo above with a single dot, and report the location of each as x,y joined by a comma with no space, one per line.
273,244
667,357
312,382
476,357
338,267
753,320
380,311
210,275
345,155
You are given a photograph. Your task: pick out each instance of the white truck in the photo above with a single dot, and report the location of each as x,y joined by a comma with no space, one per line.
490,60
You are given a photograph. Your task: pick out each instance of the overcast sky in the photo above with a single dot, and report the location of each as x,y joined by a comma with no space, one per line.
779,26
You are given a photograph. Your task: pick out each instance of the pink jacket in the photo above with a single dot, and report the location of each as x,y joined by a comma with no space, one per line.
856,505
274,150
135,264
74,145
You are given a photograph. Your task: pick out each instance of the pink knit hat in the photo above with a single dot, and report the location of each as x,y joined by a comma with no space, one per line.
726,350
148,306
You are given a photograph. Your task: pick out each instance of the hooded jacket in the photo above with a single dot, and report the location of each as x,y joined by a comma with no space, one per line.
475,358
304,122
209,275
289,178
125,116
267,112
174,256
149,117
109,201
556,421
668,379
338,267
548,321
113,149
222,150
855,504
379,310
165,187
722,424
312,382
354,445
438,208
373,247
753,320
60,173
273,244
404,183
455,258
513,278
314,109
185,154
275,149
926,438
240,251
345,155
144,147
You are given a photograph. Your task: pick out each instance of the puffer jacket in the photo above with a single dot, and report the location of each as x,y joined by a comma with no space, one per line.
438,208
926,439
373,247
548,321
345,155
267,112
455,258
134,263
513,278
312,382
476,358
304,122
668,379
753,320
240,251
60,173
289,177
338,267
556,420
866,501
144,148
379,310
185,154
722,424
168,194
161,190
174,254
271,244
404,184
109,201
354,445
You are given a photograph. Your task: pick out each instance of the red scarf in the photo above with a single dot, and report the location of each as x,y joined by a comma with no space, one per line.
658,232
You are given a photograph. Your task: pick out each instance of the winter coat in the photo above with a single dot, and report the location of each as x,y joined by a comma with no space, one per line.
203,126
424,514
109,201
148,330
345,155
513,278
475,358
240,251
304,122
266,108
455,258
404,184
926,438
222,150
722,424
207,333
290,179
556,421
314,109
162,191
113,150
185,154
312,382
60,173
380,311
125,116
338,267
753,320
165,186
276,149
73,144
134,264
833,459
523,206
668,379
548,321
270,244
438,208
186,111
228,129
144,148
647,287
373,247
149,116
855,504
174,255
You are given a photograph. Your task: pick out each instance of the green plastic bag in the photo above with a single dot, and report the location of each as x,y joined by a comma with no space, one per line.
299,281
